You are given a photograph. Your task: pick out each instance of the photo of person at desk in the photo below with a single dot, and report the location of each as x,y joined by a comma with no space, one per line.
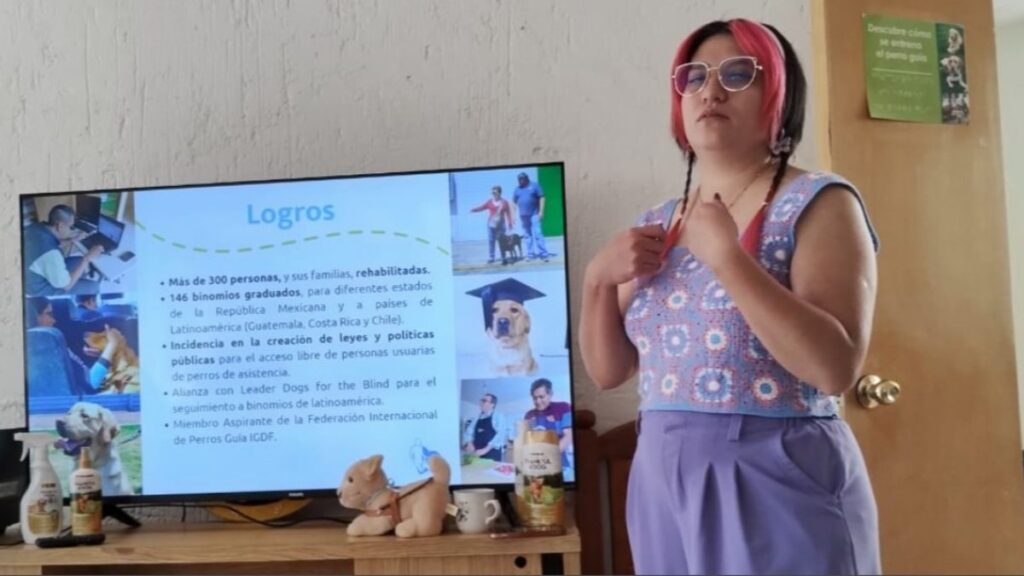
114,258
51,270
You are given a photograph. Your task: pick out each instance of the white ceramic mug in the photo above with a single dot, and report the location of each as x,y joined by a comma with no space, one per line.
473,505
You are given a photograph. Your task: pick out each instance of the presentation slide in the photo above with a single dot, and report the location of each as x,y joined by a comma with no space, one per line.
260,337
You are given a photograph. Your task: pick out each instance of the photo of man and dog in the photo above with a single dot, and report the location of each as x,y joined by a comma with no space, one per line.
82,375
507,220
511,326
489,413
78,243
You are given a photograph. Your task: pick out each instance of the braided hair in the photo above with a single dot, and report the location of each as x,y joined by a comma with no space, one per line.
793,111
691,158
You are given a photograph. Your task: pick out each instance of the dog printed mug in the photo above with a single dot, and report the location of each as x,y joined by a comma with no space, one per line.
473,504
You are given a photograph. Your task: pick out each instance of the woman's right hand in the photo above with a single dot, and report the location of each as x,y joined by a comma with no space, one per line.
630,254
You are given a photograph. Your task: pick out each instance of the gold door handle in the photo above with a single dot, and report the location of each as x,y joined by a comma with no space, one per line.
874,391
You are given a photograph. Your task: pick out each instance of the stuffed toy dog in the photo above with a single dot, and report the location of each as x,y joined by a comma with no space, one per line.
416,509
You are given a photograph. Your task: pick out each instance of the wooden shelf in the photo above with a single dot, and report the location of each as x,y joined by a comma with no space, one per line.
225,548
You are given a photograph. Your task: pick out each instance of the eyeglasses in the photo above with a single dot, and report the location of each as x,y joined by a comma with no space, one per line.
734,74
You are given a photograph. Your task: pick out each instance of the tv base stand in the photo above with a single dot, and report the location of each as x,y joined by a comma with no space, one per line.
117,513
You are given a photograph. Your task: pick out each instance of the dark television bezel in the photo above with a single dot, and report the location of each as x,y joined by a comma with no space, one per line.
315,492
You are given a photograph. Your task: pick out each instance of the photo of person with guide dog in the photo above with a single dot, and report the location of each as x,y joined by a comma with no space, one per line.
499,227
522,226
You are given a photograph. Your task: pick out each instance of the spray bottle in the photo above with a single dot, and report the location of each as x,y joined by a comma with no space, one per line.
86,498
42,506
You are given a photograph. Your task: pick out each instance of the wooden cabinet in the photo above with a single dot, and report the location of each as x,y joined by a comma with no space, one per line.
227,548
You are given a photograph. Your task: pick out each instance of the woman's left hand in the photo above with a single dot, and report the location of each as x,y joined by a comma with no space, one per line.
711,234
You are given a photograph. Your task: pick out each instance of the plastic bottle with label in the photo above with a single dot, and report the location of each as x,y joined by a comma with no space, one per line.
42,506
86,498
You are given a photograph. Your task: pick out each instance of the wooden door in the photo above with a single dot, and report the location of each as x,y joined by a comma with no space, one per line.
945,459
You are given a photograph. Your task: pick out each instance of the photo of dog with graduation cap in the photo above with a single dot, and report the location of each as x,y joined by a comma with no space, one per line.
507,325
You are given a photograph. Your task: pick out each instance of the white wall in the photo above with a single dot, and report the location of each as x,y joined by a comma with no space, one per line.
101,93
1009,47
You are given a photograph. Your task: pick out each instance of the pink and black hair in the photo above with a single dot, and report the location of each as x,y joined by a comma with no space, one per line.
785,87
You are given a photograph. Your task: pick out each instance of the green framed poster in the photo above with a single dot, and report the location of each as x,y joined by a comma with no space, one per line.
915,70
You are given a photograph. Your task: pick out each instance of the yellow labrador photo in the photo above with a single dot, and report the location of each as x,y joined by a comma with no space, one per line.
510,339
89,426
507,325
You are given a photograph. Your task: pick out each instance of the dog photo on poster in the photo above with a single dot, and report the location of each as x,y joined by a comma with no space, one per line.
956,106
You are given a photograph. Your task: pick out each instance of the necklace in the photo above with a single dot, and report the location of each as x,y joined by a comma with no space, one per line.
674,232
757,175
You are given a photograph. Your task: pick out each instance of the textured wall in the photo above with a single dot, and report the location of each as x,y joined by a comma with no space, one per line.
101,93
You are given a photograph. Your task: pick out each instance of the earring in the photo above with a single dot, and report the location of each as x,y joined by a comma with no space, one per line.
783,144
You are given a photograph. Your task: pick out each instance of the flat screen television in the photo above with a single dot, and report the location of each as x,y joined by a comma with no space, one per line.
251,340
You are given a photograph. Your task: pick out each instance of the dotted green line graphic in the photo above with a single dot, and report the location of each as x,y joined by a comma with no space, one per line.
244,249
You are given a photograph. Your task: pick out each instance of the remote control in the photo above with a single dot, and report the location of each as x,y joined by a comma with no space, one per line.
56,542
90,539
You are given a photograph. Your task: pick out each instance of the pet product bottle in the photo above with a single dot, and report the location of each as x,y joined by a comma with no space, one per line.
86,498
42,506
540,493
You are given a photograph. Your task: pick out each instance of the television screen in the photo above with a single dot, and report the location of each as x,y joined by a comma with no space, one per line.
254,339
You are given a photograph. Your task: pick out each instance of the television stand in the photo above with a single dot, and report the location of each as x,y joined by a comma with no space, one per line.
316,547
118,513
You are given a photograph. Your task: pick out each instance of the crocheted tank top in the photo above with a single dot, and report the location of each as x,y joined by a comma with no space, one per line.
696,351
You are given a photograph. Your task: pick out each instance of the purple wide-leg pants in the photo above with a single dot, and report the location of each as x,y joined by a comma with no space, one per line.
738,494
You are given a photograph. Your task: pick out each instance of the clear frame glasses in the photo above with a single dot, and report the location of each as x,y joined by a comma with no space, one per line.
734,74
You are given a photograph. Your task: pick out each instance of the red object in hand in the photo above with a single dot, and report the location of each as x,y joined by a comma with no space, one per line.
671,239
751,238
